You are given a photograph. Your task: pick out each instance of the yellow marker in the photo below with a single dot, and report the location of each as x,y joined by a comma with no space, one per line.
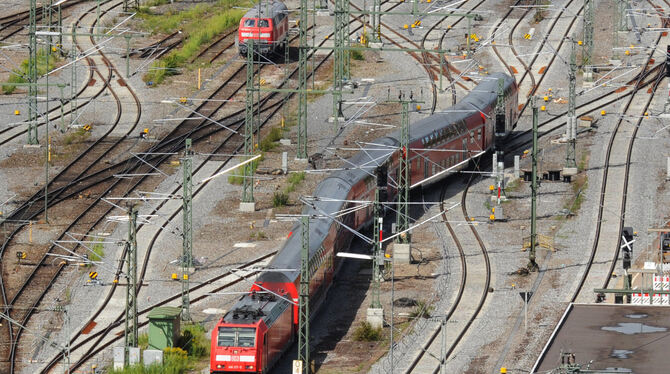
549,89
413,25
182,100
526,152
492,217
603,112
493,210
472,218
174,276
627,53
546,98
185,276
387,255
17,112
116,280
491,187
418,107
503,370
579,42
543,108
405,26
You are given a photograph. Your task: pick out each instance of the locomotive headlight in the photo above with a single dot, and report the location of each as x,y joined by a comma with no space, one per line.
220,366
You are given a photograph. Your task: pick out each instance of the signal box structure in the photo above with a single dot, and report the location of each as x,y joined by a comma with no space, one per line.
164,327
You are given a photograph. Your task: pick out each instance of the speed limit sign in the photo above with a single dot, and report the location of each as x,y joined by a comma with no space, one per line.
297,367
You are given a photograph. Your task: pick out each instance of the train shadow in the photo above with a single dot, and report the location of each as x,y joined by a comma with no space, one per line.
347,295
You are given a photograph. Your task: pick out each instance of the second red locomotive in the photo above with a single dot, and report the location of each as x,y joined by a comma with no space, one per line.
266,25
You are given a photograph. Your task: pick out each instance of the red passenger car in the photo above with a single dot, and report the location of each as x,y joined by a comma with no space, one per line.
252,337
266,24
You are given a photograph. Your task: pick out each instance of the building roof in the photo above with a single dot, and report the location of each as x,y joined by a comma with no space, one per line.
164,312
623,336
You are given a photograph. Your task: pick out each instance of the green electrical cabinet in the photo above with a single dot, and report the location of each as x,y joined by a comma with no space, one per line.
163,327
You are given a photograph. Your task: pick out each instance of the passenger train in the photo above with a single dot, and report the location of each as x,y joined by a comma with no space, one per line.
266,24
251,337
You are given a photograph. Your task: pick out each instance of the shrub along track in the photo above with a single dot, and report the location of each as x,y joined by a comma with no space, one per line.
29,287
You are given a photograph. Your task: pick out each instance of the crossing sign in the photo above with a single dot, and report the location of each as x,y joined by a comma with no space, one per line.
93,274
525,295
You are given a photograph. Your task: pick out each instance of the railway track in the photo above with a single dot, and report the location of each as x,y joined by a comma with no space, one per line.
29,290
475,280
12,24
94,346
613,194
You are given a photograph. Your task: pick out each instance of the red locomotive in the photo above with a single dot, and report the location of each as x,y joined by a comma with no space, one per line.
266,25
251,337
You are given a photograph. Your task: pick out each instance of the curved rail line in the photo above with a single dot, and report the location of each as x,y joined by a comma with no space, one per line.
601,207
485,289
41,273
275,107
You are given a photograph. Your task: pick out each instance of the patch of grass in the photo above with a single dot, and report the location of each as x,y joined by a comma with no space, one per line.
513,186
357,55
76,136
268,143
294,179
20,75
98,251
366,333
143,341
422,310
198,27
579,186
279,199
259,235
175,361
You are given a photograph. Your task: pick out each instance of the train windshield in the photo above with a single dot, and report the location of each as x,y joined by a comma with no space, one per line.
263,23
249,22
236,337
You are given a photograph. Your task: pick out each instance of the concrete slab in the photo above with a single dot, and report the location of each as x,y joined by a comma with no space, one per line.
247,207
375,317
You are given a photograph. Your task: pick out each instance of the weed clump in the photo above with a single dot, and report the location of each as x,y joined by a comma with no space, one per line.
366,333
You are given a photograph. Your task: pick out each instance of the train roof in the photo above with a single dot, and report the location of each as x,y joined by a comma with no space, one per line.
485,94
334,190
255,306
265,9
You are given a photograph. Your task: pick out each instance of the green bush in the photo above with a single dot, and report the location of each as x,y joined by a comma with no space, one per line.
357,55
279,199
194,341
366,333
20,75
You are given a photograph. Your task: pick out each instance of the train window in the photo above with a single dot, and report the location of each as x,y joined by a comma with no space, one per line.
246,337
479,134
236,337
249,22
472,136
263,23
226,337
